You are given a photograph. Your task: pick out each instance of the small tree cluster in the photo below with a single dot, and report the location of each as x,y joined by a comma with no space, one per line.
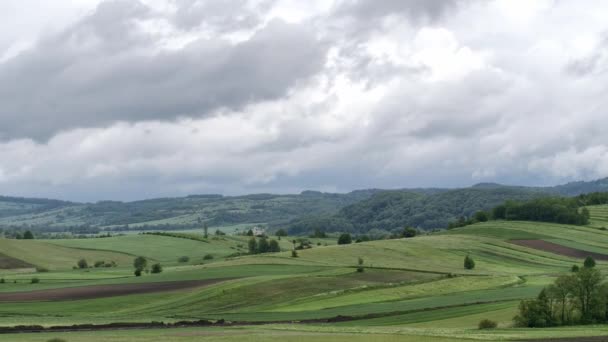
579,297
263,246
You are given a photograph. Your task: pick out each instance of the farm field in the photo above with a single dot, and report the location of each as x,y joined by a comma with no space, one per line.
407,289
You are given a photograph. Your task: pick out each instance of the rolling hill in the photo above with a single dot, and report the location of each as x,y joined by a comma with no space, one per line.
359,211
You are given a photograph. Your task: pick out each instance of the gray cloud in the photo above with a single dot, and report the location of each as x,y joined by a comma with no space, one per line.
102,70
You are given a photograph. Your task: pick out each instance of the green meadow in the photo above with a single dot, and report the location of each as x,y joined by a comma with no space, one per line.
412,289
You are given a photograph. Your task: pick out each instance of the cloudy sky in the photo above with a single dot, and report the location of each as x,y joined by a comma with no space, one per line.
131,99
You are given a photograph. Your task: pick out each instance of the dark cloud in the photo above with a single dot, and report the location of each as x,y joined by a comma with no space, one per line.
102,69
220,15
414,10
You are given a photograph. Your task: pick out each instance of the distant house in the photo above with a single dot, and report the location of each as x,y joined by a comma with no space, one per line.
258,231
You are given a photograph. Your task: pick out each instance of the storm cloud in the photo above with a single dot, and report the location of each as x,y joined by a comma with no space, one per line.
126,99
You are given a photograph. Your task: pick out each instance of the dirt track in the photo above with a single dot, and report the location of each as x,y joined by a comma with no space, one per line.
559,249
100,291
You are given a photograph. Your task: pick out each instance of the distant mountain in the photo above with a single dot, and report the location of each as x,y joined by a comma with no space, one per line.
359,210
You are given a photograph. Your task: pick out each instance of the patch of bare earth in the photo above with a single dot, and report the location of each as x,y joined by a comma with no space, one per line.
101,291
9,263
559,249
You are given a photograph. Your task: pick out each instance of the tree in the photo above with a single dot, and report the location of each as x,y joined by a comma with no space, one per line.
585,288
253,246
140,263
205,229
409,232
250,232
82,263
589,262
28,235
481,216
574,268
469,263
281,232
157,268
560,290
360,268
294,253
263,245
273,246
345,239
137,273
487,324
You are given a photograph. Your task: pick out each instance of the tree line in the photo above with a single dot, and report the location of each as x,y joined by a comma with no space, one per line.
577,298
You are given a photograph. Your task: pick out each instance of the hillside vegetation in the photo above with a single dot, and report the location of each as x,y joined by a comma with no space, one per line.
359,211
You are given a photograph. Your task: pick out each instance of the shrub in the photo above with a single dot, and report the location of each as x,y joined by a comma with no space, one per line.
574,268
487,324
157,268
137,273
41,269
35,280
469,263
294,253
208,257
345,239
183,259
360,268
409,232
589,262
99,263
2,281
56,340
273,246
82,263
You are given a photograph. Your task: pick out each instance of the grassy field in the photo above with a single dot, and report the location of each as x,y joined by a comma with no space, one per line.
411,289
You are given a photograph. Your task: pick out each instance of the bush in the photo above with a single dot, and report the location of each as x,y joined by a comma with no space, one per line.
409,232
82,263
574,268
157,268
360,268
56,340
41,269
294,253
137,273
99,263
183,259
35,280
469,263
345,239
2,281
487,324
589,262
208,257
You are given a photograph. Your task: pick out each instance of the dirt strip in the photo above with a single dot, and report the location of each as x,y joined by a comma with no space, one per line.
559,249
102,291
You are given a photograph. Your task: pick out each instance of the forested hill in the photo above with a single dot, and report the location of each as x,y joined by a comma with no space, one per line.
359,210
392,210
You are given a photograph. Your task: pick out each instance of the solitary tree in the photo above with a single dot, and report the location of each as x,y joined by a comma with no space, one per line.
469,263
273,246
28,235
263,245
360,265
206,229
82,263
253,246
157,268
589,262
281,232
140,263
250,232
345,239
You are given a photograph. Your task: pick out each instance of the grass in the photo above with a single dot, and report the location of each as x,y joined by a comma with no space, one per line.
410,290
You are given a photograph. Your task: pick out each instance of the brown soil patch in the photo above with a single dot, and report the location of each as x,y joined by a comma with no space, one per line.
559,249
101,291
10,263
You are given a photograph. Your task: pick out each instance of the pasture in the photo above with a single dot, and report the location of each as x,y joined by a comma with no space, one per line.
408,287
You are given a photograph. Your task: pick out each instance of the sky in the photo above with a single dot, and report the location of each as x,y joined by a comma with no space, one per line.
133,99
